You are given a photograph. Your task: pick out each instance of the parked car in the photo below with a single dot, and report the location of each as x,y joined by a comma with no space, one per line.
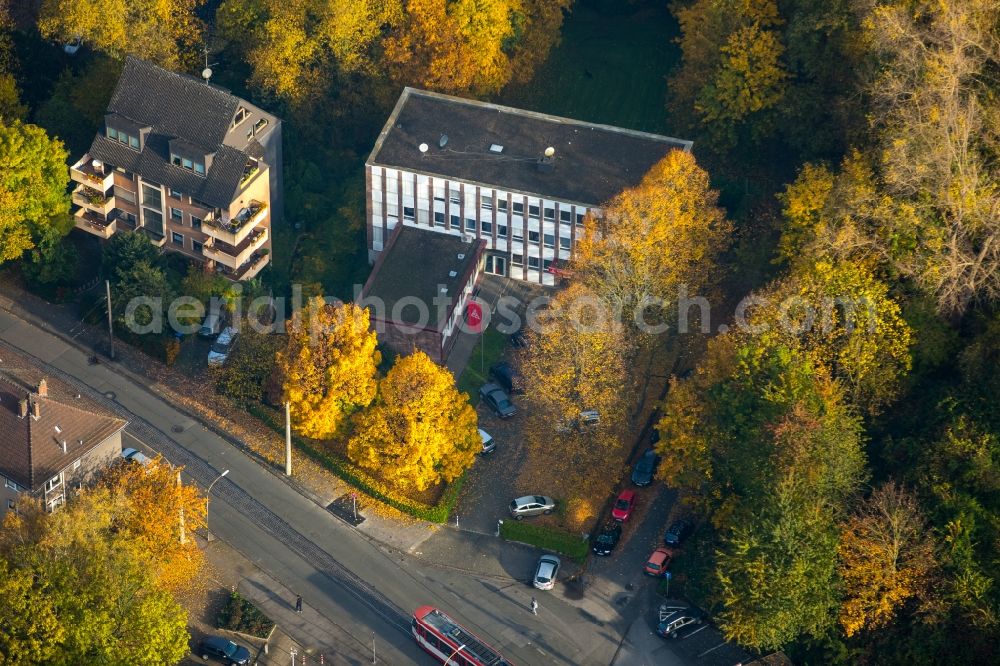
669,627
497,400
135,455
678,531
505,375
545,572
518,340
645,469
71,47
211,326
623,505
588,418
223,650
219,352
532,505
609,537
659,562
488,444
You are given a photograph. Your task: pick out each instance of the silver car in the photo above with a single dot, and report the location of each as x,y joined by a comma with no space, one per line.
532,505
546,572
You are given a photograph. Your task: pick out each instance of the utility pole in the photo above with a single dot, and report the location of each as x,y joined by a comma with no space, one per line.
288,439
111,330
179,495
374,658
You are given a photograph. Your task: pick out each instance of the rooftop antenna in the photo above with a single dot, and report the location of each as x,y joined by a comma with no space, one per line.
550,151
207,72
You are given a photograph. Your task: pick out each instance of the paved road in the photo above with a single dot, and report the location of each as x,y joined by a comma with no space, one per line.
359,586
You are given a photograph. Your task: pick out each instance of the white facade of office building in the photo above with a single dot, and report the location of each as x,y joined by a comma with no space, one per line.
527,237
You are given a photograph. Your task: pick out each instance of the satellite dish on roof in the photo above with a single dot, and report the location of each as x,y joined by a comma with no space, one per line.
443,141
423,147
206,74
550,151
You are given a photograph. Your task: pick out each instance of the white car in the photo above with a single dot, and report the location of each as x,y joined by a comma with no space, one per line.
135,455
546,572
488,444
220,348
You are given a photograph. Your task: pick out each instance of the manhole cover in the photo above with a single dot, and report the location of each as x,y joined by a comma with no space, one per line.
110,395
178,428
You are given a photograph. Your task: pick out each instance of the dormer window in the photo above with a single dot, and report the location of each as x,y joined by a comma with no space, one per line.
241,114
188,164
123,138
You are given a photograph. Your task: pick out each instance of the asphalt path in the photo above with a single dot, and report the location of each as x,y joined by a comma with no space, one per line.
358,585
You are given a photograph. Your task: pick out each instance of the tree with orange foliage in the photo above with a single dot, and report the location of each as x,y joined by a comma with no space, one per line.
158,509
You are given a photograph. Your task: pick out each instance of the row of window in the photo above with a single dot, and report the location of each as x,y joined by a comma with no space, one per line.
123,138
503,230
533,262
190,165
178,240
565,216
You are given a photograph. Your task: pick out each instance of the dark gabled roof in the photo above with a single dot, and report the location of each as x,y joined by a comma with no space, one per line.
592,163
31,450
175,106
416,264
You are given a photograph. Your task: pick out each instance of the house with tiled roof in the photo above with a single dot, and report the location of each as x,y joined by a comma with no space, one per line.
185,162
52,439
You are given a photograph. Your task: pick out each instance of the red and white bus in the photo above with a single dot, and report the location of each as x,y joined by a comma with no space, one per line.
450,643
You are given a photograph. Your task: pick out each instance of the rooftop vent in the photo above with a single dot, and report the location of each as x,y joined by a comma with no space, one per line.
444,290
453,274
461,255
496,148
443,141
58,429
550,151
423,147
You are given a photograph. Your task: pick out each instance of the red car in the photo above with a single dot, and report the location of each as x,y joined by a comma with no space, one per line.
624,505
659,562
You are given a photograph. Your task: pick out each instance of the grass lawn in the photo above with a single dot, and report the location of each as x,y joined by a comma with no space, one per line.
609,68
487,351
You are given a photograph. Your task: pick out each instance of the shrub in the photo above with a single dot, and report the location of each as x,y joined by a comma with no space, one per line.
546,538
239,614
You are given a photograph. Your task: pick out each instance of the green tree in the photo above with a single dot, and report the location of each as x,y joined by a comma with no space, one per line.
33,199
420,431
246,374
122,251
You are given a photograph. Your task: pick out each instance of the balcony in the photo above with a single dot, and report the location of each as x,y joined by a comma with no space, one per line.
156,238
234,257
93,200
234,230
94,223
99,178
249,269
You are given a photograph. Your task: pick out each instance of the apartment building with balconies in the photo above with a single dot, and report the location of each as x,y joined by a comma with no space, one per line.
193,167
522,181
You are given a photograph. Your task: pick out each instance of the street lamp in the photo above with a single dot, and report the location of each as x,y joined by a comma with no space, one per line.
447,661
208,498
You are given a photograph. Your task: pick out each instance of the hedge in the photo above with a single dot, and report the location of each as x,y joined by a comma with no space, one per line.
361,480
546,538
239,614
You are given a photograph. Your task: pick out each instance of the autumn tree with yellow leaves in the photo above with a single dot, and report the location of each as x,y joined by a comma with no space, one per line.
328,370
160,516
420,431
167,32
655,239
886,558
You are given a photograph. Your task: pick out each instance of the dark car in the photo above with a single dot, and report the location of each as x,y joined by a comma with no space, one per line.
224,650
645,469
497,400
606,541
505,375
677,532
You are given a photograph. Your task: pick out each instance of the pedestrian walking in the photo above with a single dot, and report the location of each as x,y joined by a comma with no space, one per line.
534,606
298,603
